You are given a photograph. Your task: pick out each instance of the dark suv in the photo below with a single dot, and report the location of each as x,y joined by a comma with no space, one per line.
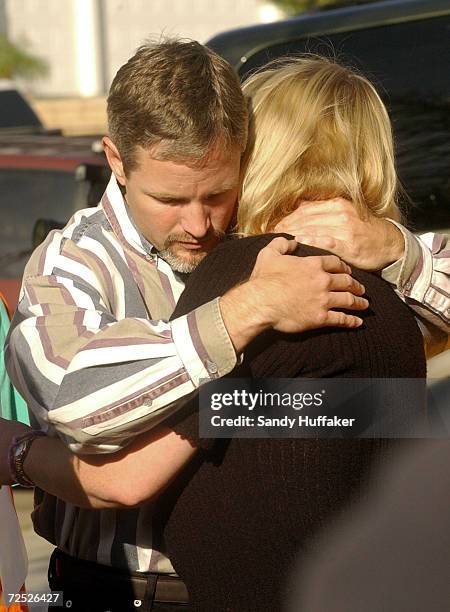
404,47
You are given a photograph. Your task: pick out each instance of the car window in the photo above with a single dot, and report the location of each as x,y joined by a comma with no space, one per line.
409,62
28,195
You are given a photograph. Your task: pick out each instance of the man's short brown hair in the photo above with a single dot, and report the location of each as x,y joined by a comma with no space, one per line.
179,95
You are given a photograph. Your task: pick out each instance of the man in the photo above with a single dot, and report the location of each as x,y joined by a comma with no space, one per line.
91,348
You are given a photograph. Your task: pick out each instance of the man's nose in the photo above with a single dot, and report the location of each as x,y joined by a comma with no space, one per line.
196,220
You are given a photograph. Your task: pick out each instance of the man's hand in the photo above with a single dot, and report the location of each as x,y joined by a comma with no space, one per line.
8,431
291,294
335,225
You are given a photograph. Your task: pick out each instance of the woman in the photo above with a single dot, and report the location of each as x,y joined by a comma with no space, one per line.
319,130
328,136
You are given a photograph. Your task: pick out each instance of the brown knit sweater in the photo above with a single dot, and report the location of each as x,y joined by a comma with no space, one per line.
246,508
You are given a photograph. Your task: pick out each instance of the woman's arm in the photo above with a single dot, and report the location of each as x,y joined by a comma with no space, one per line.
127,478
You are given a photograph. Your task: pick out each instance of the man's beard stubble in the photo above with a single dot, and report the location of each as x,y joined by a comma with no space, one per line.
186,265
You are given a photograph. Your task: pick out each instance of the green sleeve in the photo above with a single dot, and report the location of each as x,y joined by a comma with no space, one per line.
12,405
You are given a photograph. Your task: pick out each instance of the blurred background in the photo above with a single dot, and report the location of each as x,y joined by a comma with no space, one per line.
65,53
68,51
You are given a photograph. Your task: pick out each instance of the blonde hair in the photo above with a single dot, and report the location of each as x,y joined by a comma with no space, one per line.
318,131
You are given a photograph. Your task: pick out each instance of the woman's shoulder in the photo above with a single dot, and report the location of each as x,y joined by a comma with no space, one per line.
234,257
244,244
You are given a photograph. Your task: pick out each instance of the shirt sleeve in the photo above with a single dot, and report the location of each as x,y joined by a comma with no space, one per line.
100,380
12,406
422,279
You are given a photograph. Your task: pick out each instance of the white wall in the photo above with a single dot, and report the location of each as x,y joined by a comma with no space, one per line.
129,22
46,27
53,31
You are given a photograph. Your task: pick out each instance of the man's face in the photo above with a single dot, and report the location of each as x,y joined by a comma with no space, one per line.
183,210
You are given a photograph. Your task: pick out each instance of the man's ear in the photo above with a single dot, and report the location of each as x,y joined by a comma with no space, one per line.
114,160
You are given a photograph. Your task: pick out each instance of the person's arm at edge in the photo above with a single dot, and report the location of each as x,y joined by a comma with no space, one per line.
126,479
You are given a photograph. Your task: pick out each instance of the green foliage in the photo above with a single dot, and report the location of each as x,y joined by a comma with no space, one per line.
293,7
17,62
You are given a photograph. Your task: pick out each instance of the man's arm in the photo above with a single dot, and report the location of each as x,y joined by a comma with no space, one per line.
422,279
417,267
